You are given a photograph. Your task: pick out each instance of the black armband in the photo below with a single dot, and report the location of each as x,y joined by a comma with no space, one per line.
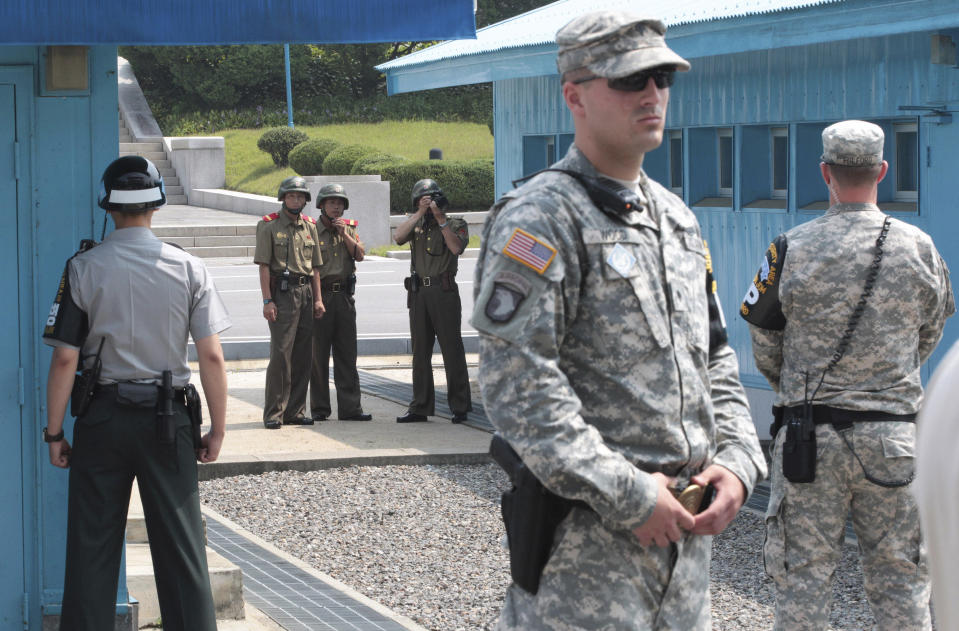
761,305
67,322
717,323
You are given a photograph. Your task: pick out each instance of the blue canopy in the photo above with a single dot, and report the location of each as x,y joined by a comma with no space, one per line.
159,22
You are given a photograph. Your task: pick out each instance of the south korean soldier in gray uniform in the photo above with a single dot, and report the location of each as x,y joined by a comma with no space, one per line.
129,305
603,357
843,312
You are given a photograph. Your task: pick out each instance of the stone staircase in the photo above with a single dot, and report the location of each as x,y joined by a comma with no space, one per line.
226,579
154,152
222,241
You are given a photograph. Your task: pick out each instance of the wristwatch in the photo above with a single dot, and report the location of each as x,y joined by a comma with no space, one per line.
52,438
267,301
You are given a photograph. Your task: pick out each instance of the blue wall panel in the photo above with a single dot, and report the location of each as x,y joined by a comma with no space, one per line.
804,87
68,141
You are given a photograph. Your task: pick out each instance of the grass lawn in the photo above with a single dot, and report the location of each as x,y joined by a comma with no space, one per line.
252,171
383,249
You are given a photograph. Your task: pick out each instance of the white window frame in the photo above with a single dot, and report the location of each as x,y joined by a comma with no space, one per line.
725,132
905,196
777,132
675,134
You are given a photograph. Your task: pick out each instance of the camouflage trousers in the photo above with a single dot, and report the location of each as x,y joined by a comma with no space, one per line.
806,524
599,579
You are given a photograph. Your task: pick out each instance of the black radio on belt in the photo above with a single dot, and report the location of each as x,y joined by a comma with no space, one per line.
799,446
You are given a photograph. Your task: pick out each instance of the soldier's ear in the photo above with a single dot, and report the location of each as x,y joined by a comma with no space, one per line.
573,98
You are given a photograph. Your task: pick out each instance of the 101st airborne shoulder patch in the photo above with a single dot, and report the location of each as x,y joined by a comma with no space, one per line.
509,290
530,251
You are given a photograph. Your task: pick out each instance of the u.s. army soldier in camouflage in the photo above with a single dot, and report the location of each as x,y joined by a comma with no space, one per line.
599,361
864,405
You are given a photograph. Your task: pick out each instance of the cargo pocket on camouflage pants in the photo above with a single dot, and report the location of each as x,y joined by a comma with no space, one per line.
774,546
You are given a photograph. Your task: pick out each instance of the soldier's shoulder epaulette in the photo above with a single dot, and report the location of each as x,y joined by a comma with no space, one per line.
309,219
271,216
352,223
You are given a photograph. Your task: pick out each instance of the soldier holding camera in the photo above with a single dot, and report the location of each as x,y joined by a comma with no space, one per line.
341,248
287,253
433,298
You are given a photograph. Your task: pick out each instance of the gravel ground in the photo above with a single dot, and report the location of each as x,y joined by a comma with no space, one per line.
425,542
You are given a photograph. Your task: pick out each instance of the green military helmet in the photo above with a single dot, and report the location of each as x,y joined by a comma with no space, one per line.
332,190
295,184
425,187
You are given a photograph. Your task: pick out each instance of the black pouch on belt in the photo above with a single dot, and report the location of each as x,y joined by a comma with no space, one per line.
799,447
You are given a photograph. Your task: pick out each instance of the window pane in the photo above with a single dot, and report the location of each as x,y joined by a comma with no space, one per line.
780,163
725,162
676,162
907,161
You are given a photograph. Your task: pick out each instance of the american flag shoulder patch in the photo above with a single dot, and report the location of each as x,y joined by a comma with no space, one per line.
530,251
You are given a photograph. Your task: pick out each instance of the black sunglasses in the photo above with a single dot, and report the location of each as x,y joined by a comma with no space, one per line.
663,78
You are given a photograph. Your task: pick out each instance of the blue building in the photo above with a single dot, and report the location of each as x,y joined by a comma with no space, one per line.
58,130
742,144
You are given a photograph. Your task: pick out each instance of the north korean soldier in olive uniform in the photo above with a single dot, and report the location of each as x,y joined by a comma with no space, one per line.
287,253
843,312
341,249
123,313
603,356
436,241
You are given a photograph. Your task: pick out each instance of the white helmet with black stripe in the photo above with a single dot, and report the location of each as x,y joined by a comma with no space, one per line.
131,184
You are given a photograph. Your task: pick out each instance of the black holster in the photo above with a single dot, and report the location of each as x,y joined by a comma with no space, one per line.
799,447
352,284
195,410
85,383
531,514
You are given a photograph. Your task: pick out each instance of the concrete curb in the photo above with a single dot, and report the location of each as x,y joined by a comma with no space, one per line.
329,580
219,469
260,348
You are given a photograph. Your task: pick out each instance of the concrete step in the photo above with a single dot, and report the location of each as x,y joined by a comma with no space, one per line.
154,156
204,231
137,147
214,242
165,170
173,190
126,138
226,580
171,180
223,251
176,199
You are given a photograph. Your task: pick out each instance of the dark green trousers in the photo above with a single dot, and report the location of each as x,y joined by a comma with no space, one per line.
435,315
112,445
336,332
288,373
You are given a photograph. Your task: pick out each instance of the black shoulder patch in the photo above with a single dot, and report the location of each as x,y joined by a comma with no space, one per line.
761,305
66,322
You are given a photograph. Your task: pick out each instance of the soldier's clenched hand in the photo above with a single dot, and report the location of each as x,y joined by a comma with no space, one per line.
730,495
668,520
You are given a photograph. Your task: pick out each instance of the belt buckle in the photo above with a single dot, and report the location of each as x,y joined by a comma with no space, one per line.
336,287
426,281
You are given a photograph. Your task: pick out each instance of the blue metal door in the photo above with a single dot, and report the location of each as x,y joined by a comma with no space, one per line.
11,441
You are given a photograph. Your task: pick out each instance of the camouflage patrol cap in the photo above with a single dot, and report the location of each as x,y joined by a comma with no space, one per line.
852,143
614,44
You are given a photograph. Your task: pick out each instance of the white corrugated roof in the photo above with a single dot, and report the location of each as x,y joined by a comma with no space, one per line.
539,26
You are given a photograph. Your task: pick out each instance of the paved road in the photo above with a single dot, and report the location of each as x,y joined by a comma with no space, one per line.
380,298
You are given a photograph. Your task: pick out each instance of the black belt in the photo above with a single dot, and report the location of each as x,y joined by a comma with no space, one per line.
823,414
295,279
110,390
335,287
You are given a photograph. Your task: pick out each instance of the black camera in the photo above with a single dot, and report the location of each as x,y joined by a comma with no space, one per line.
441,202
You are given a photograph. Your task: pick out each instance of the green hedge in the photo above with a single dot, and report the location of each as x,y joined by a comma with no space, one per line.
307,157
373,161
468,184
279,141
340,161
